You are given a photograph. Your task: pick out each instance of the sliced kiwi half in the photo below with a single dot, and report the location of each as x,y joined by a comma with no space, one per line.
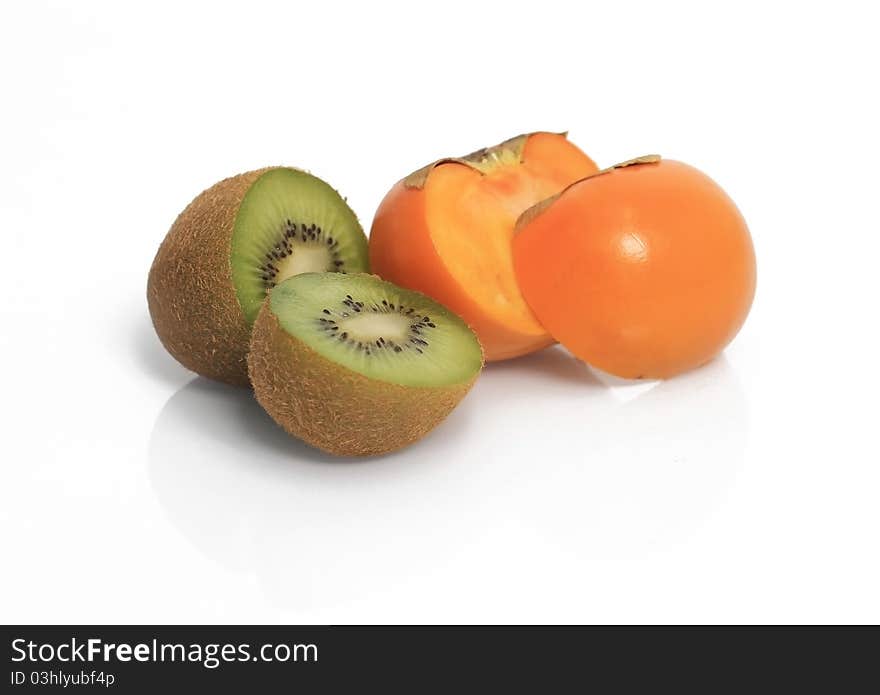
233,243
357,366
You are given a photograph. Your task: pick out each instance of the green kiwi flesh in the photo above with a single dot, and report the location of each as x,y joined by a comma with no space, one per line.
291,222
378,329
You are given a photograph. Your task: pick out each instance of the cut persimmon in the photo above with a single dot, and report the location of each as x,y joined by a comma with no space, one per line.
643,270
446,231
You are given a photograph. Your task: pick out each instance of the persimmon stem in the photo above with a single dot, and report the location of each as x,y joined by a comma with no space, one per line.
644,159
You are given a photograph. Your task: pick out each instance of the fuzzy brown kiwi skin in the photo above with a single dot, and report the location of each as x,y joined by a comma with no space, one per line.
190,292
334,408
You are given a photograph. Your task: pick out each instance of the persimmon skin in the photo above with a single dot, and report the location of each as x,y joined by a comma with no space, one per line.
403,248
645,271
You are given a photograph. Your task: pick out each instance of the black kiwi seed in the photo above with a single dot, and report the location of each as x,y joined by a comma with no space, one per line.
283,248
416,340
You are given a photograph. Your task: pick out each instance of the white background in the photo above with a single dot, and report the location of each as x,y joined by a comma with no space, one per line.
134,492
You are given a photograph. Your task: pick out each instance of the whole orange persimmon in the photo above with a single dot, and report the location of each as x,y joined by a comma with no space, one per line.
644,270
446,231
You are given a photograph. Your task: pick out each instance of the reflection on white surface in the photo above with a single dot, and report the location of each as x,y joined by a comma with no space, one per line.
657,465
306,523
315,530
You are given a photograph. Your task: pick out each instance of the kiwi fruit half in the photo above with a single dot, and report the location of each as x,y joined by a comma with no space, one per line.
357,366
233,243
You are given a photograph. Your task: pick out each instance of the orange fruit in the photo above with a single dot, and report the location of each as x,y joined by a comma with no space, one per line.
446,231
645,270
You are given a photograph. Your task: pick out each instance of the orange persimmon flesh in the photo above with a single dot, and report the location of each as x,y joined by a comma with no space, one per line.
645,271
448,231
